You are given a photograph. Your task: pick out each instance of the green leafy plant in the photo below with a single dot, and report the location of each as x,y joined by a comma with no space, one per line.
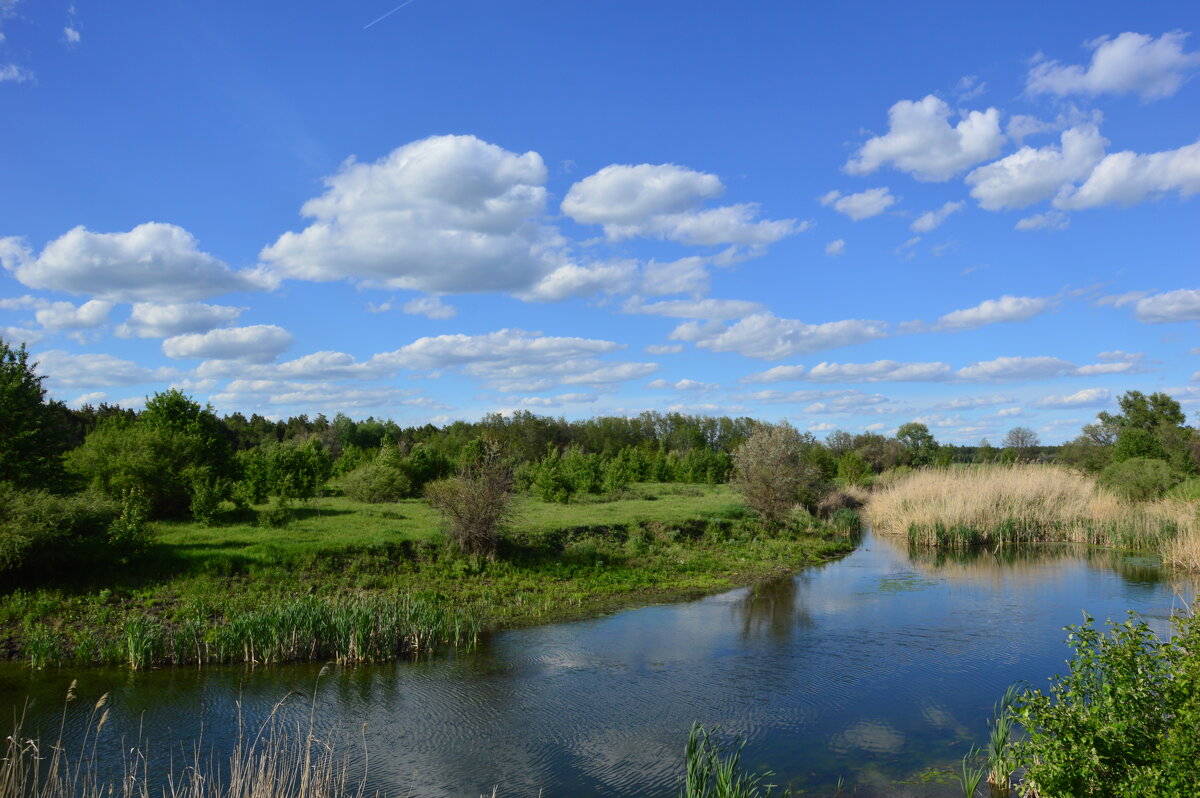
709,774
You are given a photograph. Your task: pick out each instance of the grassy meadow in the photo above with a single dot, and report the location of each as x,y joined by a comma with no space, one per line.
999,505
366,582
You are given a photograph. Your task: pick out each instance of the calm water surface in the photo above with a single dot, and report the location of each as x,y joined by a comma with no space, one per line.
880,667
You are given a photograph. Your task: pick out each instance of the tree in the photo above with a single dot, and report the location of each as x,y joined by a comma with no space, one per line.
985,452
1022,441
772,474
918,441
477,503
1150,413
31,442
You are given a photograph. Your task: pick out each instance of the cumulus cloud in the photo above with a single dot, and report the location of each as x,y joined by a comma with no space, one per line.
683,276
1088,397
1125,178
1006,369
429,306
933,219
663,201
250,394
153,262
65,316
19,335
557,401
878,371
836,248
664,349
1131,63
822,402
71,35
765,335
571,280
921,141
681,385
862,205
1169,306
1032,174
11,73
993,311
974,402
1051,220
259,343
1021,126
156,320
67,370
695,308
446,214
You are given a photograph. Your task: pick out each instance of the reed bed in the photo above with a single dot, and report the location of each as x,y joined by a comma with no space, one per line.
277,760
1000,505
345,630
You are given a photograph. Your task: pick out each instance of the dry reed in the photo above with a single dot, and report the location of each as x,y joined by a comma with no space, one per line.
998,505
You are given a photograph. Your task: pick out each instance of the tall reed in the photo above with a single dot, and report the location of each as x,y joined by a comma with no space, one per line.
345,630
1000,505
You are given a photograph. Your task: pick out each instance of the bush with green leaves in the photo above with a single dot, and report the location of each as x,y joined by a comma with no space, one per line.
773,474
550,481
43,528
376,483
1123,721
852,469
477,504
31,434
1140,478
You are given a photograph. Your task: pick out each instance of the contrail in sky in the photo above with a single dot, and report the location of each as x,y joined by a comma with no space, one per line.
388,14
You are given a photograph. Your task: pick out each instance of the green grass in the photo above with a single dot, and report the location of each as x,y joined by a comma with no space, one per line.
237,592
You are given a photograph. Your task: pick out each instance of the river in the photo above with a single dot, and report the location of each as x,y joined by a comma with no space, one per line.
881,667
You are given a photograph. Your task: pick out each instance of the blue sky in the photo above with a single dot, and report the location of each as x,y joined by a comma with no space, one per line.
849,216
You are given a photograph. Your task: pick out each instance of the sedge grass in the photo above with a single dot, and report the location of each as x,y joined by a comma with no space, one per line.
1000,505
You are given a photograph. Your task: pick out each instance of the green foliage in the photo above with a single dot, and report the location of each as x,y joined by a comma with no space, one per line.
477,504
375,483
41,528
207,494
1140,479
852,469
277,514
709,774
918,441
773,475
985,452
584,471
550,482
1135,442
1122,722
130,532
623,470
31,440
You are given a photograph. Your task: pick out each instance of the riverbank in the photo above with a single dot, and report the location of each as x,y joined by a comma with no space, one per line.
366,583
1002,505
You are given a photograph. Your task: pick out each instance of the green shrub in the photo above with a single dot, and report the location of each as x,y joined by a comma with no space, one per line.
477,503
130,532
375,483
277,514
42,527
1122,722
852,469
1134,443
1186,491
207,494
1140,478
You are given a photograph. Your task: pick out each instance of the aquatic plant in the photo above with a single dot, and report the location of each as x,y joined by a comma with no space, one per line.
709,774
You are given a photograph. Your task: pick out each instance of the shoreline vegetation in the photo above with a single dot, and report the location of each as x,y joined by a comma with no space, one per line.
1000,505
353,583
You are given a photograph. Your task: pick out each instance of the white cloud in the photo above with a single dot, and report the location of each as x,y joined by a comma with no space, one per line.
1051,220
682,385
664,349
91,398
836,248
66,370
1031,174
153,262
1170,306
15,74
695,308
65,316
969,87
973,402
862,205
663,200
447,214
1088,397
153,320
683,276
603,374
23,302
429,306
878,371
842,401
765,335
19,335
1125,178
933,219
994,311
571,280
558,401
1021,126
259,343
251,394
921,141
71,35
1006,369
1131,63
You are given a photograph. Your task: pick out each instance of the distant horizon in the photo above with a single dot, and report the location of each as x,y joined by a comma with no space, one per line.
846,217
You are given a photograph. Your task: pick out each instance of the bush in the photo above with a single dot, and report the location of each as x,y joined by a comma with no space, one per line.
130,532
42,527
852,469
277,514
1140,478
1135,443
207,495
375,483
477,503
772,474
1122,722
